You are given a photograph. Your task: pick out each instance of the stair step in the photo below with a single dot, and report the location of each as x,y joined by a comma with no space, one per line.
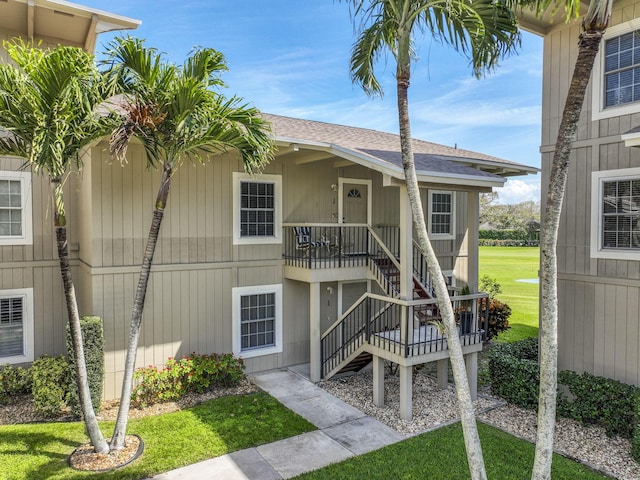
357,363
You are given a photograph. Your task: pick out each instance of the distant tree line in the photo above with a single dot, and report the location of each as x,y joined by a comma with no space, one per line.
508,225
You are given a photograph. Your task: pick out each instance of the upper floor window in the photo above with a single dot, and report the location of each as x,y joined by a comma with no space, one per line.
257,208
616,73
15,208
622,69
16,326
616,208
441,214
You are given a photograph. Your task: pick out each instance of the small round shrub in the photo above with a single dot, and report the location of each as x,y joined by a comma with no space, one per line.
14,381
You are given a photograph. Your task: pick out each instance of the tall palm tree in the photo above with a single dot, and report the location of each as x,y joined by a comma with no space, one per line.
47,104
594,24
484,30
176,115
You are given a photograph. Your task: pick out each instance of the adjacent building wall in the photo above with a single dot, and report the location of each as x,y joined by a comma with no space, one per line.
598,298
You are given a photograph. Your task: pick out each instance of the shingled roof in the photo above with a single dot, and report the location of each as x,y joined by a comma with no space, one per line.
382,150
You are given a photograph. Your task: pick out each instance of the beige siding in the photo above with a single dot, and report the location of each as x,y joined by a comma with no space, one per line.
598,298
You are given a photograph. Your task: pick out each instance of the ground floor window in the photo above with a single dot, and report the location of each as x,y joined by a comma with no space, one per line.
16,326
257,320
616,213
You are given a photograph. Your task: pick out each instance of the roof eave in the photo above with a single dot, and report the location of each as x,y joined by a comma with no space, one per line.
392,170
109,21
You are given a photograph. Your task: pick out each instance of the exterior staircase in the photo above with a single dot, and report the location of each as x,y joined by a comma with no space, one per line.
348,344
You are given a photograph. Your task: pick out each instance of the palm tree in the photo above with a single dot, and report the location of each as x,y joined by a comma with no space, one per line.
484,30
594,24
47,104
176,115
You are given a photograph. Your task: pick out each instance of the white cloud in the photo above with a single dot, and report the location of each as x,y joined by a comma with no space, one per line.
517,191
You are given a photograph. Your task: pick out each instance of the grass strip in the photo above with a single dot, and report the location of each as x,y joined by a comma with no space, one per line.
508,265
440,454
172,440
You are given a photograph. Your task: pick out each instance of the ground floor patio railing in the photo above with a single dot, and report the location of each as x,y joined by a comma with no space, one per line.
403,328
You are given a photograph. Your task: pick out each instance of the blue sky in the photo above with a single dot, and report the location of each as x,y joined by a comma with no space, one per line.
292,58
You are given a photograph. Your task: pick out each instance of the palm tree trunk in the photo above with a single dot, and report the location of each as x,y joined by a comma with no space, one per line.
119,434
587,49
469,427
88,413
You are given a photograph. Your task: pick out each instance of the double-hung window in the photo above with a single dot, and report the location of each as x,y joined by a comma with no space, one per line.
616,73
15,208
257,320
616,214
257,208
441,214
622,69
16,326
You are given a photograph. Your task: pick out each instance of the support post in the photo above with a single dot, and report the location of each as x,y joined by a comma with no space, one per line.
406,392
443,373
471,363
315,361
378,381
406,246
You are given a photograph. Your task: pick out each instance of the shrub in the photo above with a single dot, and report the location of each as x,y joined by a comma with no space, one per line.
93,342
635,441
498,316
211,370
514,372
489,285
14,381
598,400
196,373
50,384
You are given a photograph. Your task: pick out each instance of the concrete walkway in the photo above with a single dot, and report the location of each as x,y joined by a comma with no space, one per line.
344,431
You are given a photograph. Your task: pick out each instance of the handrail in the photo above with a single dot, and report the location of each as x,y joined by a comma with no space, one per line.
345,314
387,252
314,224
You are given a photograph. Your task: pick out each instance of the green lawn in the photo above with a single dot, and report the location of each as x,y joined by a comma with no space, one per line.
440,454
172,440
506,265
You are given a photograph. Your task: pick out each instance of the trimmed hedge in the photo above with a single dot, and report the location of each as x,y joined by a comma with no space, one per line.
514,372
508,243
589,399
509,234
598,400
50,387
93,341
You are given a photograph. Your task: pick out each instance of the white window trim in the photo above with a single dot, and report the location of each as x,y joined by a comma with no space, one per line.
27,220
237,294
27,294
598,111
277,221
442,236
597,180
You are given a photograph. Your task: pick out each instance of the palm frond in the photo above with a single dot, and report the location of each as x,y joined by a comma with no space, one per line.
48,104
175,113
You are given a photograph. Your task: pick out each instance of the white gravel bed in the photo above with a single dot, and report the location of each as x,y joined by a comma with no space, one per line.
433,408
587,444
